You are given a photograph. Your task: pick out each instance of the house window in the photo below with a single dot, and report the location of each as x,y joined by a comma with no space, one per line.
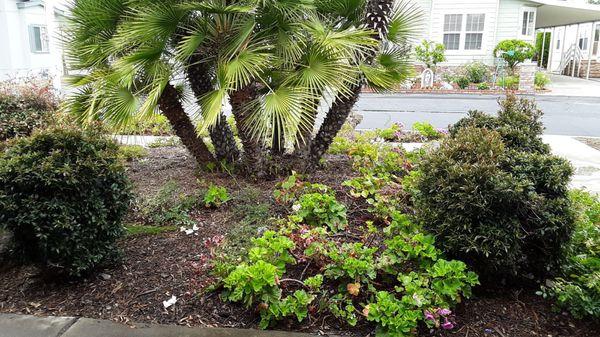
38,38
528,22
452,29
583,43
474,29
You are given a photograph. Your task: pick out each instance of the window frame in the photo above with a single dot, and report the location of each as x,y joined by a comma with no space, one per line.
463,32
531,12
44,39
471,31
453,31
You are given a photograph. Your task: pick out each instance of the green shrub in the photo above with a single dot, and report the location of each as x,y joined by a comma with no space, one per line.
578,288
514,51
132,152
541,80
493,200
427,130
24,106
462,81
215,196
321,209
476,72
519,123
483,86
430,53
508,82
63,194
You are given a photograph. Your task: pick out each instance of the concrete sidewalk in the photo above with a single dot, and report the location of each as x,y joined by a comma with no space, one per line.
561,85
585,159
32,326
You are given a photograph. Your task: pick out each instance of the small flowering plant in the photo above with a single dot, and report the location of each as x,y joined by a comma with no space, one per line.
439,318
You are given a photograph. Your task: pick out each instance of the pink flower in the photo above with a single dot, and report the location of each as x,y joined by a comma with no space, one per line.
447,325
444,312
429,316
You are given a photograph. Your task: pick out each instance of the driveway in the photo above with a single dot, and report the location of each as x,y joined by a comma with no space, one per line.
572,86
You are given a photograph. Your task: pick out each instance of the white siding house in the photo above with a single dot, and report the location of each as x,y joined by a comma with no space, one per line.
29,34
470,29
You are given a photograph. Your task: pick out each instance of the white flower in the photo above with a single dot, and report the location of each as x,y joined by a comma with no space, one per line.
296,207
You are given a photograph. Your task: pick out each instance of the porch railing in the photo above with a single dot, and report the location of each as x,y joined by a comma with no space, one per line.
573,56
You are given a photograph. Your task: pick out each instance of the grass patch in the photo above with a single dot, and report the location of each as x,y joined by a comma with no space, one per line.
132,152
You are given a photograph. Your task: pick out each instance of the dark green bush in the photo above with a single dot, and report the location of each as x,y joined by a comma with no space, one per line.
496,198
63,194
519,123
24,107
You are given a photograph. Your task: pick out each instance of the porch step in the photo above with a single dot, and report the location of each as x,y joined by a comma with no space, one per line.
581,71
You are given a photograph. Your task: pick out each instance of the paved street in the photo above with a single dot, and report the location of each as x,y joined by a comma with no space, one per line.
564,115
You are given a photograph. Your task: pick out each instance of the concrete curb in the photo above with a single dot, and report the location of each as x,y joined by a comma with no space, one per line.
31,326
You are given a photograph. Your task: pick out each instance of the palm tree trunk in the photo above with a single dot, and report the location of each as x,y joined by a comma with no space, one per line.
254,156
170,105
335,119
220,133
376,18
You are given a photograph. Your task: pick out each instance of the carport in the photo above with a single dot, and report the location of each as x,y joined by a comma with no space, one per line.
578,26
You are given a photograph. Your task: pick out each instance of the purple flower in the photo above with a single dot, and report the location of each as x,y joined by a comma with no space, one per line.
444,312
429,316
447,325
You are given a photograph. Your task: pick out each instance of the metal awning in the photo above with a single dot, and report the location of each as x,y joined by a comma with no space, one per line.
551,13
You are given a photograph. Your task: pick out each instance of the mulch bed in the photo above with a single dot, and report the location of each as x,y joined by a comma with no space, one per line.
155,267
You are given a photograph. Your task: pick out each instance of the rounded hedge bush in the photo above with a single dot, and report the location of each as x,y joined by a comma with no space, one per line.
63,194
495,197
24,107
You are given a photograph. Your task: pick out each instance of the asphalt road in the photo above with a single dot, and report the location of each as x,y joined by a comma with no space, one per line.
563,115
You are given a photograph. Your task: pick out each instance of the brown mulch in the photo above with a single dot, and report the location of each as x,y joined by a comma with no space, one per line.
155,267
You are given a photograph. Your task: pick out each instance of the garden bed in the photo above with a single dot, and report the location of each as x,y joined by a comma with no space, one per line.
168,262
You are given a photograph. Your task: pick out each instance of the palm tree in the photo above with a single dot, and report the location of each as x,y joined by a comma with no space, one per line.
394,24
274,60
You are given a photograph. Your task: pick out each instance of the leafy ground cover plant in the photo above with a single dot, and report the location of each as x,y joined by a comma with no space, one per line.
396,283
169,207
382,268
215,196
578,289
318,209
63,194
494,196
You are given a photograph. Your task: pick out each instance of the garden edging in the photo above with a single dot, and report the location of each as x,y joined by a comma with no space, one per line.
33,326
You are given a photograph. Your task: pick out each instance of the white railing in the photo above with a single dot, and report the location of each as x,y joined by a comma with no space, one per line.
573,56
